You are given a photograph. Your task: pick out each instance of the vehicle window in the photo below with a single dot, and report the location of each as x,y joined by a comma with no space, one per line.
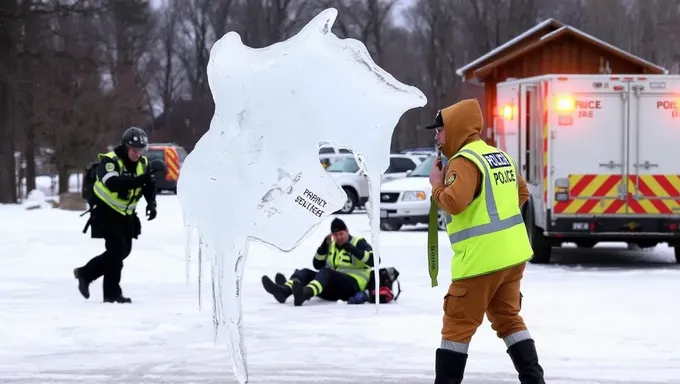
326,151
155,154
400,164
423,169
344,150
344,165
182,154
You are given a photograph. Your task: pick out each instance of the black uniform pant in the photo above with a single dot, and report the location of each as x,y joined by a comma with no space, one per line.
336,285
118,242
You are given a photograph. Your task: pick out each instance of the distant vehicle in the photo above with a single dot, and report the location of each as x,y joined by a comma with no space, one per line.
406,201
329,159
421,152
332,151
346,173
172,155
598,153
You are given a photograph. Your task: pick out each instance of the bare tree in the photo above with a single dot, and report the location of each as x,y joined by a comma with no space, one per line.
9,32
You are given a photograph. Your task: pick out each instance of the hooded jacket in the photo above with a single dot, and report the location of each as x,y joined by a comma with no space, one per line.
463,123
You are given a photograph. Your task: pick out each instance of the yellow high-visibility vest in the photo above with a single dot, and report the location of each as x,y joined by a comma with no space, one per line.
489,235
125,205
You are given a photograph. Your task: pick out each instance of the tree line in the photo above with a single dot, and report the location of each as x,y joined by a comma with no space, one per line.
75,73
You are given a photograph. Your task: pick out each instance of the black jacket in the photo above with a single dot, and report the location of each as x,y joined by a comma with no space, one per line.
104,218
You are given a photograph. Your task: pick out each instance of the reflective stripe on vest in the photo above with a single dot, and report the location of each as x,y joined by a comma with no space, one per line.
358,270
489,235
122,206
495,222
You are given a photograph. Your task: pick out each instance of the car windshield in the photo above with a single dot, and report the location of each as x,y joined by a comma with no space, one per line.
423,169
348,165
155,154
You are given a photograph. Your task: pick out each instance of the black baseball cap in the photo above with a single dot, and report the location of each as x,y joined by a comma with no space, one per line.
438,121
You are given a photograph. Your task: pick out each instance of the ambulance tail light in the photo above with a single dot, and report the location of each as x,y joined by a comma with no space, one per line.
565,104
562,189
507,112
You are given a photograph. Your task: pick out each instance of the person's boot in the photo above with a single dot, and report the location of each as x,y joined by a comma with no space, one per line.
300,293
525,359
279,291
83,284
449,366
280,278
120,299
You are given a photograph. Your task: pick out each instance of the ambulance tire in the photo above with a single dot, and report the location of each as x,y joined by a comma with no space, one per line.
540,244
677,253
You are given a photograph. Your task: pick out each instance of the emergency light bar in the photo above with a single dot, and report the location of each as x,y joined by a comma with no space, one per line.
565,104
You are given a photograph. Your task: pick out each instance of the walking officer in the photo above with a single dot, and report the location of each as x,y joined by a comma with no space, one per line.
482,191
123,176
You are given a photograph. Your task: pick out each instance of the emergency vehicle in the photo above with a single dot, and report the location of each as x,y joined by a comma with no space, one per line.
599,154
172,155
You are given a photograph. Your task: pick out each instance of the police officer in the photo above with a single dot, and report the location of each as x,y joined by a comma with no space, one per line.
482,192
123,177
343,266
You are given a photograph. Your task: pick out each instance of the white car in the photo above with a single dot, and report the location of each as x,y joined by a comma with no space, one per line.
347,174
406,201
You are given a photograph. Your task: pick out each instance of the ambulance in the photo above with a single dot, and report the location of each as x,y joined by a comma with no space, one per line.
600,154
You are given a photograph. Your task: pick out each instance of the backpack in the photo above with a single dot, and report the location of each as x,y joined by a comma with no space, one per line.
89,178
388,276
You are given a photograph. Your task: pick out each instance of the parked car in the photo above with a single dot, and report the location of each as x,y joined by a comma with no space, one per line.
329,159
332,151
172,155
346,173
423,153
406,201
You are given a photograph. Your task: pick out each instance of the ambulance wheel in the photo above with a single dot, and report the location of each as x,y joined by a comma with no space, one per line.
540,244
677,253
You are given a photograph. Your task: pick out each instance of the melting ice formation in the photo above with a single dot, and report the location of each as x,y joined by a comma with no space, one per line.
255,175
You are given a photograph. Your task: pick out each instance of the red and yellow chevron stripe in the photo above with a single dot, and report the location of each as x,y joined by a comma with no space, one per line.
171,164
599,194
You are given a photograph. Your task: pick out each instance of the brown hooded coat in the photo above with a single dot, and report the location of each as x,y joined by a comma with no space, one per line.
497,294
462,125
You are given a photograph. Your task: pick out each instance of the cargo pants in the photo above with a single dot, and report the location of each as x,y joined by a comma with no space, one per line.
497,295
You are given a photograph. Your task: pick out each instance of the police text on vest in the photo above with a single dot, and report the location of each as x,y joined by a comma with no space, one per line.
497,160
505,176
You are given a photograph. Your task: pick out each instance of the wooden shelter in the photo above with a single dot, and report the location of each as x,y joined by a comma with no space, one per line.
550,48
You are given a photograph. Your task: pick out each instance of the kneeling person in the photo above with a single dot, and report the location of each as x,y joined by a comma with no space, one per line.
343,266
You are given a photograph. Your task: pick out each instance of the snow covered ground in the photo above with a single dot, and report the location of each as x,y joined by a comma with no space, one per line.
606,315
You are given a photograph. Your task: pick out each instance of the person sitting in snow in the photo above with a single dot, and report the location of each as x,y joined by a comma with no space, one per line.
343,266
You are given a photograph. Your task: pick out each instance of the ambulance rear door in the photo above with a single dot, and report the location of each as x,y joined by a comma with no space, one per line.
587,146
654,166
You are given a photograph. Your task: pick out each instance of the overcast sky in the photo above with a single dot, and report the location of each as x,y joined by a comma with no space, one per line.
396,12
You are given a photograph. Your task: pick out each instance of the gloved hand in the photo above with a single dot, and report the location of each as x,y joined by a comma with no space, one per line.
358,298
323,248
151,211
142,180
351,249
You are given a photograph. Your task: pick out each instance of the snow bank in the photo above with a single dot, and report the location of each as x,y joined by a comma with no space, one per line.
255,175
36,199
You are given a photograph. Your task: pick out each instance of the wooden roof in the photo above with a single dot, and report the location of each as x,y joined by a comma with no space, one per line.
549,30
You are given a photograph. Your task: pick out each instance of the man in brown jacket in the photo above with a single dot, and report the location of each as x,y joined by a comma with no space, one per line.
482,191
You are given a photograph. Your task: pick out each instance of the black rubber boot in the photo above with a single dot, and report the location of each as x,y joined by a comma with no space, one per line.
83,285
280,292
280,278
525,360
449,367
120,299
301,294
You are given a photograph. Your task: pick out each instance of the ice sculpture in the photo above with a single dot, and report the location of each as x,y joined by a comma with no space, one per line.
255,175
